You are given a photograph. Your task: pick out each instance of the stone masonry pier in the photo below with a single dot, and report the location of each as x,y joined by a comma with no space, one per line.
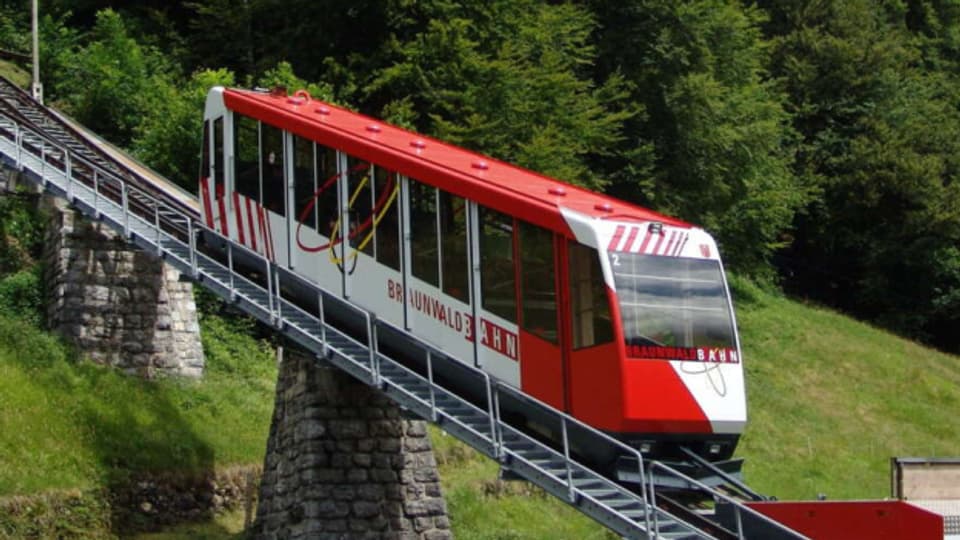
343,463
121,306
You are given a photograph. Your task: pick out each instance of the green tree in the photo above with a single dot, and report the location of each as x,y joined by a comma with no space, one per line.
881,139
718,138
112,81
511,79
169,136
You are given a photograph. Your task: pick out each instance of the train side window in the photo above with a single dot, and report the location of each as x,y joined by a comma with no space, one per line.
497,277
423,232
387,189
271,156
538,297
304,181
588,298
327,199
359,189
453,247
246,159
218,156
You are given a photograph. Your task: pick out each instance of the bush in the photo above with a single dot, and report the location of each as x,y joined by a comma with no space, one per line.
21,296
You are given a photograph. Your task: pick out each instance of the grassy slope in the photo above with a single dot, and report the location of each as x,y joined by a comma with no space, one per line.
76,425
831,400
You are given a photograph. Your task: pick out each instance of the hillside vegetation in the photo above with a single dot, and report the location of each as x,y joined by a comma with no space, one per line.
830,400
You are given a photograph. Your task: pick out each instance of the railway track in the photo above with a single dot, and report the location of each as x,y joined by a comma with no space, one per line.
90,155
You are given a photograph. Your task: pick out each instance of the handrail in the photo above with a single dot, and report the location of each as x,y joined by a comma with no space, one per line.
738,506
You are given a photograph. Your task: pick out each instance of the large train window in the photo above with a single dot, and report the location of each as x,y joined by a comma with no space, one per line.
453,247
588,298
387,227
246,161
304,181
670,303
205,152
538,298
423,232
327,199
271,156
497,279
360,192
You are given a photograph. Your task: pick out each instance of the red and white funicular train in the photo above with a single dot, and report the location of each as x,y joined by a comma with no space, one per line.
614,313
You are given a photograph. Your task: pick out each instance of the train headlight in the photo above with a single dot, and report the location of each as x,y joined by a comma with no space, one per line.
714,448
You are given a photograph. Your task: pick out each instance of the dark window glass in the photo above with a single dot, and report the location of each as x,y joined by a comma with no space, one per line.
588,298
497,276
327,201
423,232
271,156
538,282
218,155
453,247
672,301
360,186
247,158
387,236
304,181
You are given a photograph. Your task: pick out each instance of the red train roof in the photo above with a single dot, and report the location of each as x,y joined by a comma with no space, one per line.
525,194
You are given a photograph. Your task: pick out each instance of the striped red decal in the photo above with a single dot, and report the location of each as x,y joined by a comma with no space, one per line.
673,238
221,202
239,215
646,241
207,207
263,230
615,241
679,250
631,238
253,233
660,236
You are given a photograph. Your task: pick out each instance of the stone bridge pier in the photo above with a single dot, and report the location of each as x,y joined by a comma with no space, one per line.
120,305
343,463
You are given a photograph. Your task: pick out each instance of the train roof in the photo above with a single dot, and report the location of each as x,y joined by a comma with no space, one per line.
513,190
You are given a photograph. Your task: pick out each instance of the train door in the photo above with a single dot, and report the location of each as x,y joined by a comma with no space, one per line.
543,339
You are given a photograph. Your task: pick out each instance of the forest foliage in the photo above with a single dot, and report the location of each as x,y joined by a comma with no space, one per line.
818,140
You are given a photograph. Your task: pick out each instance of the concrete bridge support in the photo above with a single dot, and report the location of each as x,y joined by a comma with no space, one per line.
121,306
342,462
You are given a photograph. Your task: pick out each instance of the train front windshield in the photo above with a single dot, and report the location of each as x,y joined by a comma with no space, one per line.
674,308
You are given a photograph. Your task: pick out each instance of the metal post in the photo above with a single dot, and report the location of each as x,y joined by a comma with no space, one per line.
276,288
496,416
739,521
233,290
653,504
493,422
68,170
372,344
96,194
43,163
266,264
193,248
126,210
156,224
433,393
323,326
571,494
19,146
37,86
